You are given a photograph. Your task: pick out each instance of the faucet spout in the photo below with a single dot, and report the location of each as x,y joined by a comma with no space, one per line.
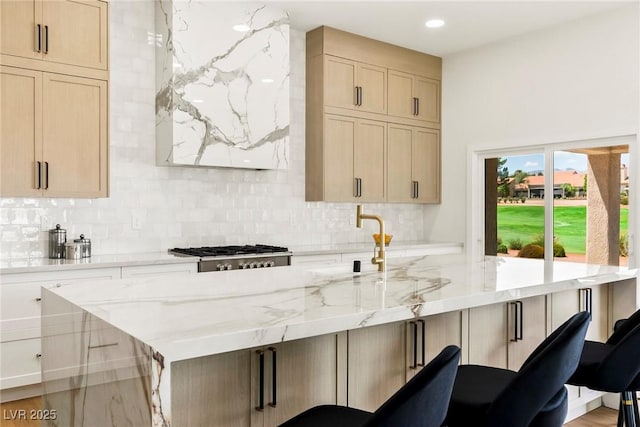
380,258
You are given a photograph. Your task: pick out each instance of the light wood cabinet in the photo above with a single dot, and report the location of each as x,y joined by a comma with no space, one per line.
427,336
248,391
353,160
414,97
504,335
70,32
55,143
355,86
376,364
348,76
413,164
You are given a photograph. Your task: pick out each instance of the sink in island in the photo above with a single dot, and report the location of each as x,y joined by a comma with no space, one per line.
160,352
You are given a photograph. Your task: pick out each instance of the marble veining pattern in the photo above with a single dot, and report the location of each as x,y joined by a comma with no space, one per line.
222,95
203,314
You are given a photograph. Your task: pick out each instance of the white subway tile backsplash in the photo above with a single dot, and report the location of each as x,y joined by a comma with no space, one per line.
182,206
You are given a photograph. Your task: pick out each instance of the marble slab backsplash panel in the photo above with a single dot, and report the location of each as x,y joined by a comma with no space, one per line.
222,79
188,206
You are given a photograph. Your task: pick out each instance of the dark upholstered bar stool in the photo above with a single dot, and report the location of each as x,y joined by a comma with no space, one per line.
533,396
614,367
422,402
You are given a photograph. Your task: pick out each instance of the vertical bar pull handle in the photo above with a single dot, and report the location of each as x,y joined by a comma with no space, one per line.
590,301
417,106
415,345
46,175
360,102
274,378
39,175
417,189
359,187
514,304
46,39
356,95
38,38
355,187
424,345
260,406
521,321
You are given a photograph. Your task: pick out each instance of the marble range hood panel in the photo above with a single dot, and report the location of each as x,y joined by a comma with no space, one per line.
222,95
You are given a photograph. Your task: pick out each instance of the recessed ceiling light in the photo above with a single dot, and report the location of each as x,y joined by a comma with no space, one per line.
434,23
267,80
241,28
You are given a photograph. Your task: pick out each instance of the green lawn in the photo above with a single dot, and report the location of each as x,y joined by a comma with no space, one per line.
525,222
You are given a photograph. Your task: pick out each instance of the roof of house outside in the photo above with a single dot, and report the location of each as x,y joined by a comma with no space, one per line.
575,178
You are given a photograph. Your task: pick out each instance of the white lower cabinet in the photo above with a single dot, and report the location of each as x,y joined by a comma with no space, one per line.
161,270
20,325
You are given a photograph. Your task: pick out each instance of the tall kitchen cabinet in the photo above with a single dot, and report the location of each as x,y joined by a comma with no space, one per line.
372,121
54,105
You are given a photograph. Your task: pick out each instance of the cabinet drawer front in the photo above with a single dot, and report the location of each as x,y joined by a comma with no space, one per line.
19,364
159,270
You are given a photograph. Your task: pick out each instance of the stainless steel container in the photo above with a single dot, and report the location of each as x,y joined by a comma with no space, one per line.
73,250
57,239
85,246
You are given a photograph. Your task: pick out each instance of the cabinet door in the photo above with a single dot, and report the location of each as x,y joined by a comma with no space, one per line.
599,329
21,131
215,391
369,164
376,364
76,32
75,136
18,28
426,165
339,141
427,92
340,82
400,94
440,330
534,331
306,376
399,161
373,83
488,335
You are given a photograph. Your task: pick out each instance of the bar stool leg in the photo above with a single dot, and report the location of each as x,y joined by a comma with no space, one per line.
628,407
635,408
621,412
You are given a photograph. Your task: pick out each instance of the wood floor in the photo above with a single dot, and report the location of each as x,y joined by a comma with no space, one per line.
601,417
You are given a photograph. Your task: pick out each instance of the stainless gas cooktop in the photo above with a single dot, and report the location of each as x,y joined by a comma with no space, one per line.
220,258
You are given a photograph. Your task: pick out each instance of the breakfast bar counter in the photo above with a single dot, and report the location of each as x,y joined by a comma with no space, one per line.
117,342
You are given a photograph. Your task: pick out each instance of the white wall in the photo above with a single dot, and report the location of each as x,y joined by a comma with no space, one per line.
572,82
187,206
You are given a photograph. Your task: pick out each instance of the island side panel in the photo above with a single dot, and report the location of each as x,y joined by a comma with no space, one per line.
92,373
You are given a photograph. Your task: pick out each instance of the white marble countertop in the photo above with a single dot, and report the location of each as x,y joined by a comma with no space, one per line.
34,265
203,314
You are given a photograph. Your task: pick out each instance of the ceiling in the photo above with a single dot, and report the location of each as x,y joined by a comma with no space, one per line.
469,24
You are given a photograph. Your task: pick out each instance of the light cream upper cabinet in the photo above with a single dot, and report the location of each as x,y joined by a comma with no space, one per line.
21,132
414,97
348,111
353,167
413,164
355,86
75,113
69,32
54,135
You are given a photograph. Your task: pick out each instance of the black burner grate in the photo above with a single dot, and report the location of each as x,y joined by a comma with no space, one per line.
209,251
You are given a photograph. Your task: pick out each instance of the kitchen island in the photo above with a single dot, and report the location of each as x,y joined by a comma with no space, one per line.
154,351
